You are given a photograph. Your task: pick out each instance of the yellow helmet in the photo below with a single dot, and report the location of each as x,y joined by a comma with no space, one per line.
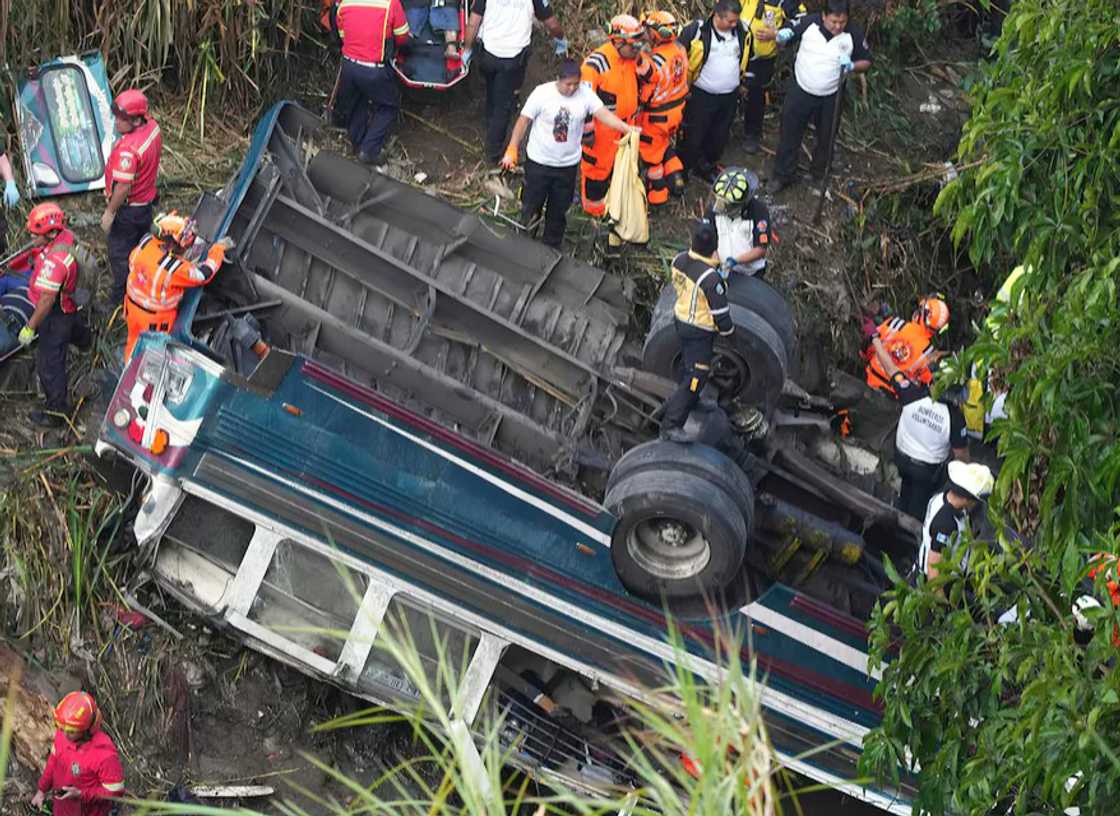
174,227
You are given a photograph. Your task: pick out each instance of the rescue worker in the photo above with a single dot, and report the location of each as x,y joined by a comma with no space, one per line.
718,50
663,101
741,221
701,311
11,195
615,71
831,47
56,320
909,344
83,774
946,519
505,29
159,274
130,183
368,97
929,432
1006,302
764,19
554,116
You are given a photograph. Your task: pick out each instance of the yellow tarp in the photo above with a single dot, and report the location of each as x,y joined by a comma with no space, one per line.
626,197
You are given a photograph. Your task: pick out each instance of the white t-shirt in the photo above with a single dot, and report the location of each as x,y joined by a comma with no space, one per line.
720,73
555,137
507,25
818,60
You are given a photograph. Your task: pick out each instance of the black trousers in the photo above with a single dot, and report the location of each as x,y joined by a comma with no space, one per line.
504,77
56,335
130,225
799,110
697,348
707,127
551,188
759,74
367,102
920,480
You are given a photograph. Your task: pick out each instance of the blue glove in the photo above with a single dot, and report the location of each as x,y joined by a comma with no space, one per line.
466,57
784,35
559,46
726,267
11,194
845,65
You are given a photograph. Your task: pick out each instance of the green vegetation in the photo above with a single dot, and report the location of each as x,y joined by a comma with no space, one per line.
1019,714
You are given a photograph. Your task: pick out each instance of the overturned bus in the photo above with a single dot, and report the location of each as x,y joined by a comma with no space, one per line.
429,421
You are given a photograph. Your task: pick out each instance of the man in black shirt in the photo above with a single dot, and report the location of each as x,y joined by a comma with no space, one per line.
946,519
701,311
831,47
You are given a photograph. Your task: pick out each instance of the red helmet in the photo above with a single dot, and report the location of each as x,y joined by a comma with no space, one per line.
624,29
131,103
933,313
45,217
77,710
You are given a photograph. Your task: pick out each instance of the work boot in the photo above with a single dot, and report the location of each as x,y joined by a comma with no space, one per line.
675,435
43,419
752,145
366,158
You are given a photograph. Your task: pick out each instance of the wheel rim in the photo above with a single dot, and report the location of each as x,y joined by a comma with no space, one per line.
668,548
731,375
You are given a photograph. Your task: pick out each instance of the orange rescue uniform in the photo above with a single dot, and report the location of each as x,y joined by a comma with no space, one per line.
616,81
909,345
663,99
157,278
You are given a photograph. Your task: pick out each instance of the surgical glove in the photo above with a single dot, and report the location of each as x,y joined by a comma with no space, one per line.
845,65
466,57
26,336
784,35
726,267
11,193
559,46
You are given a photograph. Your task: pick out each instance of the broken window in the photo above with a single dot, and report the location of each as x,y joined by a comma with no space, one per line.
444,649
309,598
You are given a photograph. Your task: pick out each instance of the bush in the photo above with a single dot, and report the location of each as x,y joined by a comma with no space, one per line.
1019,713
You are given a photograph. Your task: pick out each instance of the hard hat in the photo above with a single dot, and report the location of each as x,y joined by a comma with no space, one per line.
130,103
174,227
624,29
77,710
661,25
933,313
971,480
736,185
45,217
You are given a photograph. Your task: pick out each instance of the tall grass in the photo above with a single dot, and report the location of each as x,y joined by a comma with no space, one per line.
214,50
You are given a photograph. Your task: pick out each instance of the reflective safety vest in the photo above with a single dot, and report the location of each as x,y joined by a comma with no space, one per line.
908,343
763,15
157,276
668,83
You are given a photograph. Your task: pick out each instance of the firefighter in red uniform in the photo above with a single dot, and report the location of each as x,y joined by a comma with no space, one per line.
663,100
614,71
83,772
159,274
908,345
368,95
56,320
130,183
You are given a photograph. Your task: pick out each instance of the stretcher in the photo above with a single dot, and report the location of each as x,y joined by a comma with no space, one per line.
424,61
